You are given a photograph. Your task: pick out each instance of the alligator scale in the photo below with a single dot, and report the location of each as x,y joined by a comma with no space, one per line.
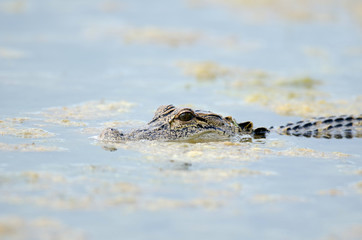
171,123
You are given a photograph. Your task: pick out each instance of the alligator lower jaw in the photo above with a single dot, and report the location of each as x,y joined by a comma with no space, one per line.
210,136
213,136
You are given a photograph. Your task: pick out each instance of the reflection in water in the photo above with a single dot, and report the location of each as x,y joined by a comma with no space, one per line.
176,165
109,148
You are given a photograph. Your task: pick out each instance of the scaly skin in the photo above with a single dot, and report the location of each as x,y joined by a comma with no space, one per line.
325,127
171,124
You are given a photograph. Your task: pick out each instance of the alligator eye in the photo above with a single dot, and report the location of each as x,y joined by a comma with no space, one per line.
186,116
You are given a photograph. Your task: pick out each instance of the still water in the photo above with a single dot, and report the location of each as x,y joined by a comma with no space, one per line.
70,69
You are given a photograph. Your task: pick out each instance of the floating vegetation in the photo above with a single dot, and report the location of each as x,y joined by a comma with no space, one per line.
41,228
205,71
88,110
15,127
9,53
268,198
72,116
358,186
292,96
66,122
14,6
331,192
212,152
29,147
153,35
26,132
264,10
302,82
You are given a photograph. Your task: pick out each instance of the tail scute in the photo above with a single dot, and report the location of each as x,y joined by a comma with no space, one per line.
343,126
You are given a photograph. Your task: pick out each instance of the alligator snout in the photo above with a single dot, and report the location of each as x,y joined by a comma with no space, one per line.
111,134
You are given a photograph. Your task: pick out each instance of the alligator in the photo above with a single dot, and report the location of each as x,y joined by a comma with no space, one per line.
171,123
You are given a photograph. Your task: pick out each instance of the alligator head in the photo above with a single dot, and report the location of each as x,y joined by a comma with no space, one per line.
172,123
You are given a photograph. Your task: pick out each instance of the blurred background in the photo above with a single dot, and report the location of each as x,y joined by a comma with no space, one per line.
204,52
68,67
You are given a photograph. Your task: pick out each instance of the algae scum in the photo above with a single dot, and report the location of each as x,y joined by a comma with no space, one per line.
70,70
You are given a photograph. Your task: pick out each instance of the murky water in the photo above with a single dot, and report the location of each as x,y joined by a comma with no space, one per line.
68,70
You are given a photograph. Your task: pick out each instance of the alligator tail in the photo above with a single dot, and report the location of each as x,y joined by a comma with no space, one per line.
344,126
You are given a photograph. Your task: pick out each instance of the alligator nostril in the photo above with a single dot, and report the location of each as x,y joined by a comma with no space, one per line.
111,134
113,131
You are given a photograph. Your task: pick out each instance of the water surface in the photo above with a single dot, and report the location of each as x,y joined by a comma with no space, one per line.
68,70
